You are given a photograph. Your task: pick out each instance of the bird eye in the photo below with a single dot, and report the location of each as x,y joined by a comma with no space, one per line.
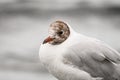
60,32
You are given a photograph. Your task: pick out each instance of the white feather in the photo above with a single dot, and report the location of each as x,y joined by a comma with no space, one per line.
80,58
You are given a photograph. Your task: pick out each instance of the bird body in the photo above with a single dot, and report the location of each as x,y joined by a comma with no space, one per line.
80,58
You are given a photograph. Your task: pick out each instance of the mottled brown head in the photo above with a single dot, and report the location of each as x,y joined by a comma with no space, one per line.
58,33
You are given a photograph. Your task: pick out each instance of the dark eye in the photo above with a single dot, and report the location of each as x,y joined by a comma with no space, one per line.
60,32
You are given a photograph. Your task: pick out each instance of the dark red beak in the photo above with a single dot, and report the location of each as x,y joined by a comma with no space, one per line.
47,40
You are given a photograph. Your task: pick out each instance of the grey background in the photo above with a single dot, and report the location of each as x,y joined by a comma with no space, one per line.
24,25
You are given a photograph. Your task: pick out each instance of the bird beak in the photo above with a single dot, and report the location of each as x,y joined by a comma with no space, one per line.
48,40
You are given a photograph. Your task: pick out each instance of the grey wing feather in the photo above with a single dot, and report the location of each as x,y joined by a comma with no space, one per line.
96,50
109,53
94,57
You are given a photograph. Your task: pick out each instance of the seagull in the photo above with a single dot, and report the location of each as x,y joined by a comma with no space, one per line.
69,55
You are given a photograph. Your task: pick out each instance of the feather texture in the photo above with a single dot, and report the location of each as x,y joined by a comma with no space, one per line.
81,58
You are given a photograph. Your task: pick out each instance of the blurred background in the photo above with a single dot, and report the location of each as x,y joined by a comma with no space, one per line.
24,25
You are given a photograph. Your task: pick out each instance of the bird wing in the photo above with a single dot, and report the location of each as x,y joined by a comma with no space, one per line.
94,57
94,49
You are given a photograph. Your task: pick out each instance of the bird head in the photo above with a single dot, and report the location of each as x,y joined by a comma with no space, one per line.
58,33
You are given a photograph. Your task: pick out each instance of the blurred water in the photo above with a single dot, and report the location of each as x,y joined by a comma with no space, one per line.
10,75
24,25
